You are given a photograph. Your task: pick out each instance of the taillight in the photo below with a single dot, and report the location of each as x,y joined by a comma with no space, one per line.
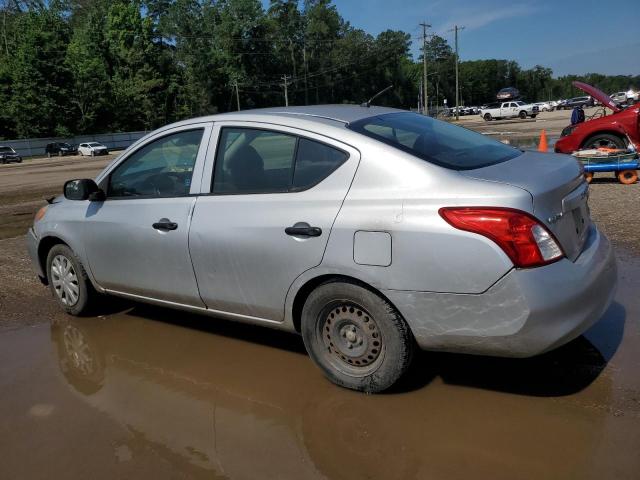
522,237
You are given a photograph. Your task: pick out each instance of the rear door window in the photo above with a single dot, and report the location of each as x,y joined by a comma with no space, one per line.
263,161
315,161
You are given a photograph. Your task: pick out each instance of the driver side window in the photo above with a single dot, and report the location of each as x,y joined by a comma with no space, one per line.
162,168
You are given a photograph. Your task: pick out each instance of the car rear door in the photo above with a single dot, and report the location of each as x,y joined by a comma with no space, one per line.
270,197
137,240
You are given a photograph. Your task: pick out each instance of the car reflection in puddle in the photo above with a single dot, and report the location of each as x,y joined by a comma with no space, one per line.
245,402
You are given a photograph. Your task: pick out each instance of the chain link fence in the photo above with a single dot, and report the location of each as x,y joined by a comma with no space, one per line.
31,147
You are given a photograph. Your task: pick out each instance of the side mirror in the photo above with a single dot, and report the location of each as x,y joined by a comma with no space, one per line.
83,189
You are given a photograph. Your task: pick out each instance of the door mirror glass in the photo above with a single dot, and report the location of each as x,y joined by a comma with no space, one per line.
82,189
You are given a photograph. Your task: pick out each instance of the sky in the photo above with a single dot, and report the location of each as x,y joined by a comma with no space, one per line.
569,36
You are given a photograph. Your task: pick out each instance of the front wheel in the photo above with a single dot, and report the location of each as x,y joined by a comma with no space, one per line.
605,140
534,115
523,114
357,339
68,280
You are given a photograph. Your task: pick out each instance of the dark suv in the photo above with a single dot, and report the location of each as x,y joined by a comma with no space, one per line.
8,155
60,149
576,102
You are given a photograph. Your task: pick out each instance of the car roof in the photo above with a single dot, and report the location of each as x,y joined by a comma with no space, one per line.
327,114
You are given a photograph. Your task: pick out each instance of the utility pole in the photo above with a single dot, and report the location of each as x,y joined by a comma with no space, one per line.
304,60
235,85
424,65
456,28
286,78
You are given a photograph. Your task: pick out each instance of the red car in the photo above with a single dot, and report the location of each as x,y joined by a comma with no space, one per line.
617,130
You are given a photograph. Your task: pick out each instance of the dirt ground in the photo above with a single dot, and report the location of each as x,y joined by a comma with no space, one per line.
145,392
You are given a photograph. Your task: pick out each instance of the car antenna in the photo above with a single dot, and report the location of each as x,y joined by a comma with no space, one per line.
368,103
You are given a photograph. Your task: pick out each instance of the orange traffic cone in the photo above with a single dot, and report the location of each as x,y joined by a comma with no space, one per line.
542,146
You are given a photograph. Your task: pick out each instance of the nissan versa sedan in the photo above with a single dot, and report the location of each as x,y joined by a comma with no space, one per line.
371,231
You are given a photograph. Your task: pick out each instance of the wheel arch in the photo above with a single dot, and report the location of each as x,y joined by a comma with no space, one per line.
44,247
311,284
609,131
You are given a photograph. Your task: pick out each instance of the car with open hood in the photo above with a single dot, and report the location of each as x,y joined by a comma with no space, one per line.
619,130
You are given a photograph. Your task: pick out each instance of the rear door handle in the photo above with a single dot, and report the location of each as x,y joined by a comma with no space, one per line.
302,229
165,224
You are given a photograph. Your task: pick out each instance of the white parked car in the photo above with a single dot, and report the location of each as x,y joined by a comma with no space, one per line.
510,109
92,149
544,106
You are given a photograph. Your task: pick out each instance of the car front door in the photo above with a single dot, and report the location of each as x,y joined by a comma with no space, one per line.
267,215
137,239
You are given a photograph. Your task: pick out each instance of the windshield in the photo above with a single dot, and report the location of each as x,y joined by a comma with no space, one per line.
94,144
6,150
435,141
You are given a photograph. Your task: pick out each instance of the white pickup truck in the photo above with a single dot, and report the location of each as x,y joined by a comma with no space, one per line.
511,109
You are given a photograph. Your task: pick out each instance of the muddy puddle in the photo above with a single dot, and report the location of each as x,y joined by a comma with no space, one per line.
525,143
143,392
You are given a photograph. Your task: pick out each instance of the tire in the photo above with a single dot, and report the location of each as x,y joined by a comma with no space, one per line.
604,140
627,177
355,337
545,109
534,115
61,257
487,117
522,114
588,176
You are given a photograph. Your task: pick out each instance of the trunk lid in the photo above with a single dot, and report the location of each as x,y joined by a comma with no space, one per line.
558,191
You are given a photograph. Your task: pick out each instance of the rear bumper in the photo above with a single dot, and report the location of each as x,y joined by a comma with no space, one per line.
525,313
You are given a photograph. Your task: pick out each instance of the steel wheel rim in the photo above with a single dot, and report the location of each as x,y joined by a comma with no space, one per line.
351,338
65,280
78,350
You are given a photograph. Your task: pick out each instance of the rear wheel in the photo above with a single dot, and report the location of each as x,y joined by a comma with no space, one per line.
356,338
627,177
604,140
68,280
487,117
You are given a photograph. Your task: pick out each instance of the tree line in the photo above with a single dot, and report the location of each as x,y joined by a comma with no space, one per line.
90,66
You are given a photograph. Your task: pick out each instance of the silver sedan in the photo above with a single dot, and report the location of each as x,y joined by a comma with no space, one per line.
370,231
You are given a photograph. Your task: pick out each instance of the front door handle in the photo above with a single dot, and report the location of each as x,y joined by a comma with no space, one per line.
165,224
302,229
